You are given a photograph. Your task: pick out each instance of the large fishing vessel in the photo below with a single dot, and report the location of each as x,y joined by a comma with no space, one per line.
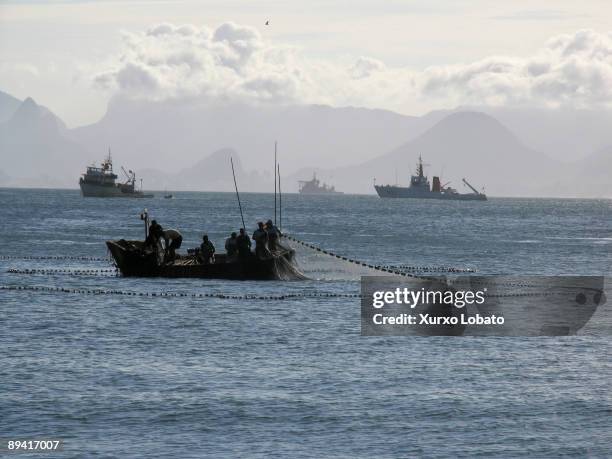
314,186
100,182
421,188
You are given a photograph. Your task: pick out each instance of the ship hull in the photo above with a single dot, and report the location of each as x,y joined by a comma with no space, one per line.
90,190
398,192
321,193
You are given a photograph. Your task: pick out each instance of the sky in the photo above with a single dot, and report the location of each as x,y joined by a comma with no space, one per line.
407,56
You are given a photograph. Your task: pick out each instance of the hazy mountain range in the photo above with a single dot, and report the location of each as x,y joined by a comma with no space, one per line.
187,144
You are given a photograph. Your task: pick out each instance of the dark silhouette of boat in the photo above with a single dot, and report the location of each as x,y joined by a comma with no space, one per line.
420,188
134,260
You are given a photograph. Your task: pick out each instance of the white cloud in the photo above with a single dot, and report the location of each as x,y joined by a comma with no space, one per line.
234,61
366,67
572,69
19,69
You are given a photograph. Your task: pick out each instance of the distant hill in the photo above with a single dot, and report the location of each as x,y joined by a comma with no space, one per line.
465,144
172,135
167,144
8,106
564,134
211,173
35,150
592,176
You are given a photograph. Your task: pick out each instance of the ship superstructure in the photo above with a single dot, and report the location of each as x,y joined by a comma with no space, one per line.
421,188
314,186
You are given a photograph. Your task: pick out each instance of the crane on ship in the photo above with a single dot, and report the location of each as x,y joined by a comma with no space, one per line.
470,186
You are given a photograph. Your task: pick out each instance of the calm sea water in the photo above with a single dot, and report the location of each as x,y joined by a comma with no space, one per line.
118,376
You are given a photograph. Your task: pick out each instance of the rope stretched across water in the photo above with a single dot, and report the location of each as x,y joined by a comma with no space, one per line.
399,270
53,257
221,296
110,272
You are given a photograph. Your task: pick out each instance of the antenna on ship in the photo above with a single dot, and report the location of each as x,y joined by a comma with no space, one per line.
275,167
237,195
280,200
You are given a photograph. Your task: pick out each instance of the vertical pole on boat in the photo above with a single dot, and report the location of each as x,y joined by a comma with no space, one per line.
280,200
145,217
275,182
237,195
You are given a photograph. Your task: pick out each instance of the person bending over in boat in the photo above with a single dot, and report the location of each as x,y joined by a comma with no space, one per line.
274,235
260,236
173,240
231,246
244,244
207,251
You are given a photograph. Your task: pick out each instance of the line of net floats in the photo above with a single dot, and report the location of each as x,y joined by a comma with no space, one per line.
222,296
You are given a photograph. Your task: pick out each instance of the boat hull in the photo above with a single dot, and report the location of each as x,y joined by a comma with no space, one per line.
132,261
321,193
398,192
90,190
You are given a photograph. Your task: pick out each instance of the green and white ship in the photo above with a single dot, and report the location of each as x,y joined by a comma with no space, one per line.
100,182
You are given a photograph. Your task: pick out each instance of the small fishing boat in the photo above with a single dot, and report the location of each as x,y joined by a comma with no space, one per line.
134,260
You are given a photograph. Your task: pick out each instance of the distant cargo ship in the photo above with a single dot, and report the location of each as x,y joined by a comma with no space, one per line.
99,182
420,188
314,186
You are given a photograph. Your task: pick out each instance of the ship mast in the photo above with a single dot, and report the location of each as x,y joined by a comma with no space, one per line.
275,180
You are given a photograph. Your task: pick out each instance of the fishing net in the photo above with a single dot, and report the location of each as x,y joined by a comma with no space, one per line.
321,264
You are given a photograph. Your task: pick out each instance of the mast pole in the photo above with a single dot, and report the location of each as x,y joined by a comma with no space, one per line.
145,217
237,195
280,200
275,175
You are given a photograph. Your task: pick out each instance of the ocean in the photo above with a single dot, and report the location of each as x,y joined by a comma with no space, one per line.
115,375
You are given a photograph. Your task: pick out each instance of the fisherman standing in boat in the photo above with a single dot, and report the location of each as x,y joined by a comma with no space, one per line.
274,235
173,240
244,244
153,241
207,250
155,233
231,246
261,239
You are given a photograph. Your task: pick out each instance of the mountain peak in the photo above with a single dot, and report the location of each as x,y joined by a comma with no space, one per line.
8,106
27,110
31,115
219,158
474,125
471,117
